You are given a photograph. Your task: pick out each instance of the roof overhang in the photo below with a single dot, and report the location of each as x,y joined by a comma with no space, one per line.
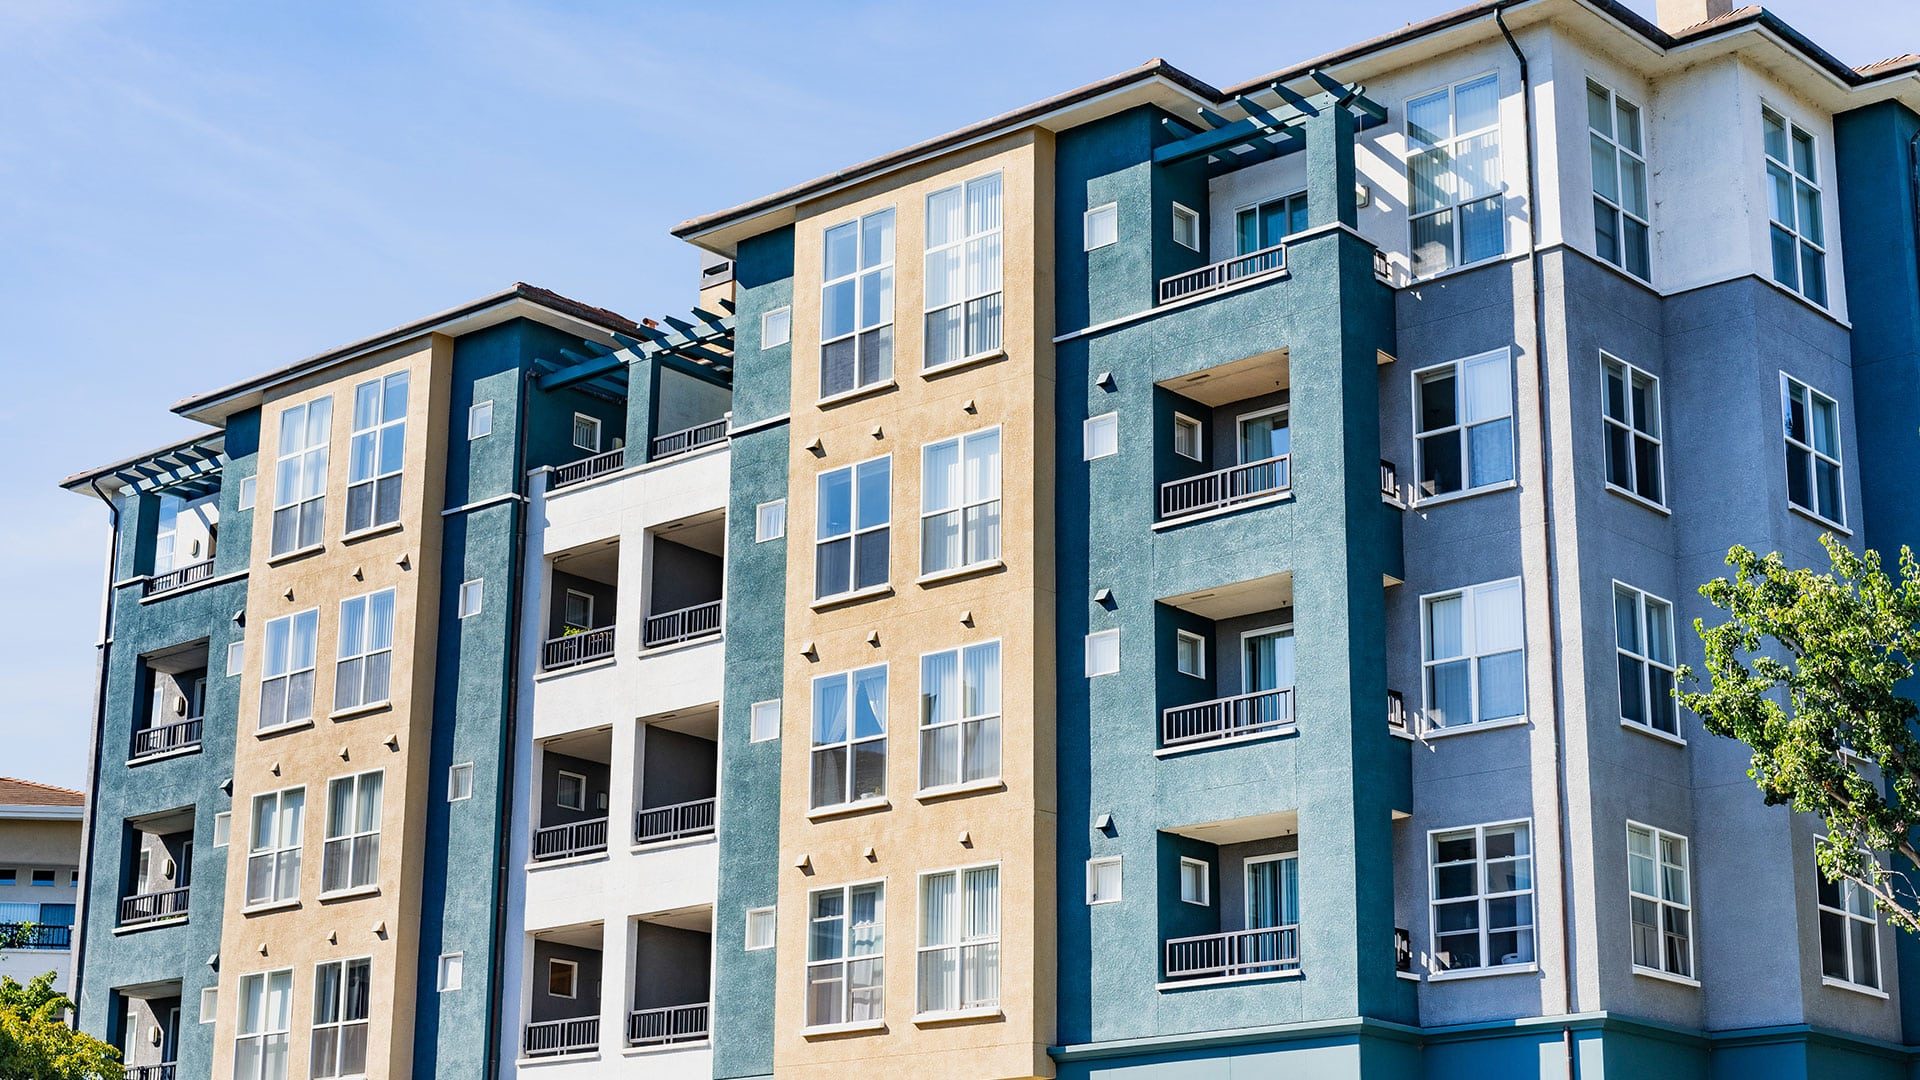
40,813
187,465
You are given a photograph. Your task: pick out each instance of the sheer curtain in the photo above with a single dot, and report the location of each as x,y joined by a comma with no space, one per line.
939,716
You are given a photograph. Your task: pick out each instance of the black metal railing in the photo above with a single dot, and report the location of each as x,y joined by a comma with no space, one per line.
34,936
153,907
682,625
664,1026
579,472
689,439
1233,717
1269,260
570,649
1235,952
1225,487
1402,949
166,738
658,823
565,841
1396,712
163,1071
179,578
1390,485
548,1037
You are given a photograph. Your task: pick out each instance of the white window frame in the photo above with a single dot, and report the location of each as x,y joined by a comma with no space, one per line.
876,952
1288,203
244,499
970,500
1205,870
569,624
222,829
761,918
209,1004
350,688
962,720
1850,895
1449,145
460,781
1094,866
776,327
769,521
1623,158
962,948
337,1029
282,665
855,531
590,424
559,779
261,983
757,714
1106,216
294,469
1805,241
479,420
1665,907
572,968
850,741
978,261
1199,642
472,597
1642,655
1634,428
360,839
450,972
1100,436
1183,422
1461,428
1815,457
1239,431
1097,640
374,475
281,851
236,656
882,326
1183,213
1470,595
1481,897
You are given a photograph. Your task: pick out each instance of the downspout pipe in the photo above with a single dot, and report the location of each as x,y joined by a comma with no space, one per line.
87,826
1546,502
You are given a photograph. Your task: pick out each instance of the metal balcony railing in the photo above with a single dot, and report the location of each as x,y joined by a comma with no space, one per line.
1225,487
166,1070
153,907
1235,952
1390,485
1271,260
1396,712
178,578
549,1037
34,936
682,625
570,649
166,738
1227,718
689,439
575,838
672,1024
673,822
579,472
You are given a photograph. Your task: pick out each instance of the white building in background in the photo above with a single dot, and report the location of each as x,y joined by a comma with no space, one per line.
39,878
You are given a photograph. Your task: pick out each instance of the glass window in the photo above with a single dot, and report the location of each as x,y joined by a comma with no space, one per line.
1189,437
1100,436
1475,655
959,952
366,650
764,721
760,928
1102,226
1660,895
563,979
286,677
1631,418
248,484
165,533
1195,877
471,595
776,327
845,947
576,611
273,854
1463,424
480,420
222,829
570,791
460,781
1849,932
1103,652
1186,227
1456,207
1799,240
770,521
300,476
452,970
1643,637
1263,435
236,656
342,995
586,433
352,855
1814,476
1482,897
850,736
963,271
1621,215
852,529
856,304
209,1004
1190,654
960,502
377,453
1103,880
1258,228
266,1013
960,715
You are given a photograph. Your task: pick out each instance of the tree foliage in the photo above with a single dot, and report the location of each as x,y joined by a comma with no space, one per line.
1806,670
37,1044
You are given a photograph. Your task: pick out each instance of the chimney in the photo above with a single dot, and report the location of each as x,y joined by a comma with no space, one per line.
1676,15
716,280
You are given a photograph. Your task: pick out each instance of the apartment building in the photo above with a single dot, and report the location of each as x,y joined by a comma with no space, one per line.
39,878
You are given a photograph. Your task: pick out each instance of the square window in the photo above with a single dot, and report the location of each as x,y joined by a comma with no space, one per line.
1474,655
246,493
1186,227
460,782
7,875
209,1004
769,521
480,420
1102,436
1102,226
1103,880
452,967
1194,882
222,828
570,791
1463,425
1103,652
563,979
764,721
236,656
760,923
586,433
1190,654
776,327
1189,438
470,595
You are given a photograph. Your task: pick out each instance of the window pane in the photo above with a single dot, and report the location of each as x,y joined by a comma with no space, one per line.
1429,119
1477,104
1432,241
840,243
1503,691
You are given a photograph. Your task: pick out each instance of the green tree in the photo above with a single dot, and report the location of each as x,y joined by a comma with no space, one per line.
37,1044
1806,671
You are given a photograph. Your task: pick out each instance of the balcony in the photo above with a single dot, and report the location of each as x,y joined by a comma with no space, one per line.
583,589
186,535
1232,664
571,808
687,440
1222,274
1236,717
1234,953
551,1038
1390,485
686,571
162,1071
571,839
672,955
158,868
677,775
1226,487
685,624
1233,416
142,909
176,694
34,936
179,578
564,1004
588,468
667,1025
1233,914
576,647
1397,714
167,738
673,822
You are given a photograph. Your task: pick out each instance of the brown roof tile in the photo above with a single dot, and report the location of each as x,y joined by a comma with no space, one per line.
14,792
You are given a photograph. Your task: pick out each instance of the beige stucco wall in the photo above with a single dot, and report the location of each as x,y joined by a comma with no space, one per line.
1012,824
27,844
381,923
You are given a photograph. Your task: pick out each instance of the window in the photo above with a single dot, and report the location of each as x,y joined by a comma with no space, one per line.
352,856
1660,895
1190,654
236,656
452,970
1849,932
1643,635
763,721
1103,880
577,611
1186,227
959,953
845,943
209,1004
851,534
1620,215
471,594
286,684
960,502
377,453
247,486
460,782
563,978
570,791
856,305
273,857
1102,226
165,533
222,829
1195,882
1189,438
760,926
850,736
1100,436
1475,655
776,327
266,1013
44,877
7,876
300,476
769,521
963,271
960,715
1257,228
1103,652
1793,179
1463,424
586,433
1455,205
366,650
342,993
1631,416
479,420
1263,435
1813,451
1482,889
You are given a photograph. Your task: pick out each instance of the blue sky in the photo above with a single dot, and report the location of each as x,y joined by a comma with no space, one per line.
193,193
